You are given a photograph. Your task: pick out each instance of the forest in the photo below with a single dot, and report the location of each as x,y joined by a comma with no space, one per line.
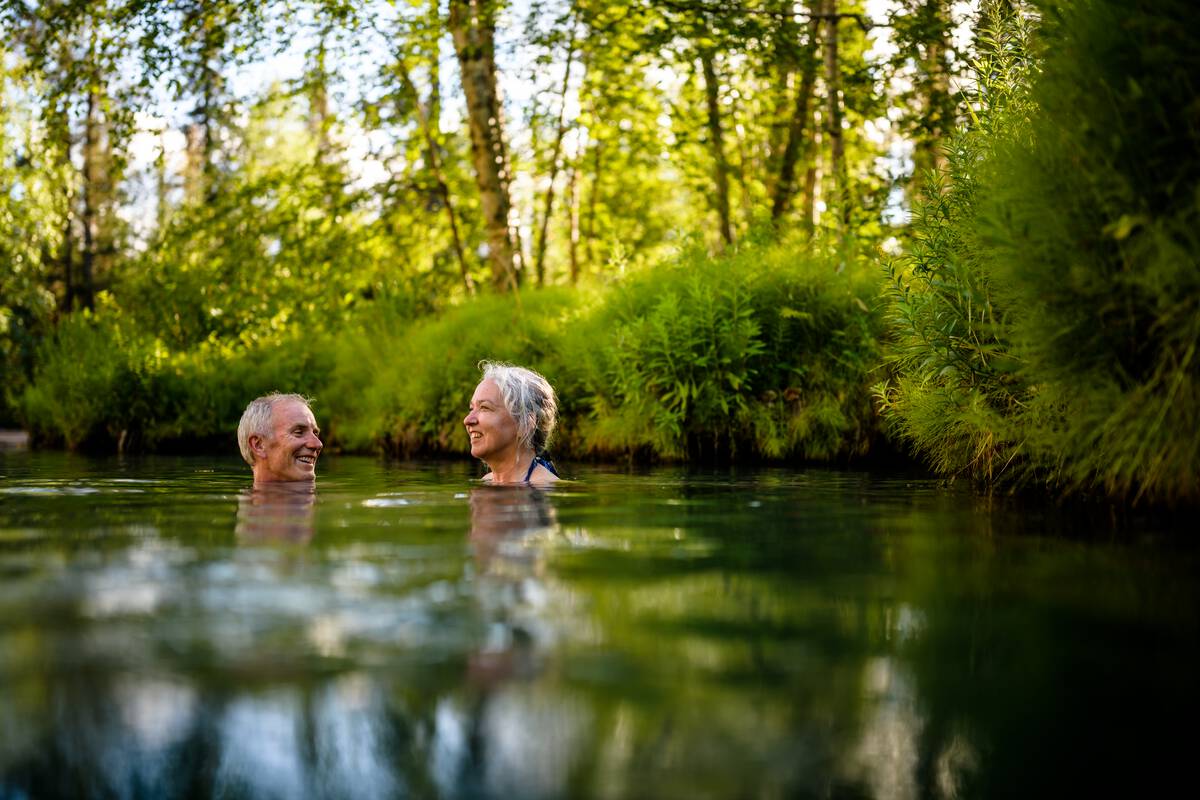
726,230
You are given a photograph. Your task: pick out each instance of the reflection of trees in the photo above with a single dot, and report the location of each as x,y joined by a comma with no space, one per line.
676,652
276,512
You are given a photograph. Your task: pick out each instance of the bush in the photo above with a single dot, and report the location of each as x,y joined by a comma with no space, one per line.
763,353
1093,218
99,385
1046,313
404,385
88,383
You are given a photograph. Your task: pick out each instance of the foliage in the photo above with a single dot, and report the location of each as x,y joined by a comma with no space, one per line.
1092,224
765,352
952,392
403,385
762,353
100,384
26,302
1045,314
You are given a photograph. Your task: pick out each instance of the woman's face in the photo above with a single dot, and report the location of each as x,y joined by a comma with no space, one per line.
490,428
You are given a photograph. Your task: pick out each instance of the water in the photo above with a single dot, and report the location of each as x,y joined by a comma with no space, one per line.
406,632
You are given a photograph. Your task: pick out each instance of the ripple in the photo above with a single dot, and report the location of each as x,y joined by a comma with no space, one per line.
49,491
386,502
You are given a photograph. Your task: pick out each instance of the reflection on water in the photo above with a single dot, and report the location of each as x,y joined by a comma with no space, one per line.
509,526
276,512
771,634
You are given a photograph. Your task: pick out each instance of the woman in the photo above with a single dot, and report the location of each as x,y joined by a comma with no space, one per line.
512,416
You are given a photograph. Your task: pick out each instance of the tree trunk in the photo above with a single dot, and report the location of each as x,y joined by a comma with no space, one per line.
202,133
162,186
928,154
319,121
573,221
810,193
435,63
593,200
785,58
717,143
193,170
473,29
67,256
433,156
91,146
837,143
556,151
799,127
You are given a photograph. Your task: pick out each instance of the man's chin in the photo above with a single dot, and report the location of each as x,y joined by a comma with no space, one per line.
295,475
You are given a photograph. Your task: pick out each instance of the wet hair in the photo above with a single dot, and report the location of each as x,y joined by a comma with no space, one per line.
256,419
529,398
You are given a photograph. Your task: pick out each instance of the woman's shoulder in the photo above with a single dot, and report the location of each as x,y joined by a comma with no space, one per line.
542,472
543,476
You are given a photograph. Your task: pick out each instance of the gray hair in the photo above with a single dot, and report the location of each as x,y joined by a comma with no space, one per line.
529,398
256,419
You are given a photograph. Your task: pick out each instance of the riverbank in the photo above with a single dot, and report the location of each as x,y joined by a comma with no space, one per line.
766,353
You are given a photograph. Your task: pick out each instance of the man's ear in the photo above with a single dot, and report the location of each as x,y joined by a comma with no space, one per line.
257,446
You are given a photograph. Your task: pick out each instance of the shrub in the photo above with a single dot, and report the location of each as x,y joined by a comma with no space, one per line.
762,353
405,385
100,385
1093,218
765,353
88,383
1045,315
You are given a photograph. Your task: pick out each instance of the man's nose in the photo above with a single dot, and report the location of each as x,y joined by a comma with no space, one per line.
314,442
469,418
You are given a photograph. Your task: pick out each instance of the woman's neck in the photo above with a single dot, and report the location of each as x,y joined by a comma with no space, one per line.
511,466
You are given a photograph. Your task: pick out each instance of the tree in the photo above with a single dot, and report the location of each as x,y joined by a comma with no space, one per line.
472,25
799,128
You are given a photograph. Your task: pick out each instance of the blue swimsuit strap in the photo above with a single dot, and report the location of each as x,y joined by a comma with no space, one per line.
543,462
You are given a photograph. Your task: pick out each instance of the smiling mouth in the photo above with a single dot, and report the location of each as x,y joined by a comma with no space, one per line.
310,460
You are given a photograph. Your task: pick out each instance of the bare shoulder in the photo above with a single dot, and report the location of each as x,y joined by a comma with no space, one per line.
542,476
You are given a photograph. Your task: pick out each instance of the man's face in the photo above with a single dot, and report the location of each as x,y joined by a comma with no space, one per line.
290,452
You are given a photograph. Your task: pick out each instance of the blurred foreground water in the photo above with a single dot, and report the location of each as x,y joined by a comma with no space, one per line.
403,631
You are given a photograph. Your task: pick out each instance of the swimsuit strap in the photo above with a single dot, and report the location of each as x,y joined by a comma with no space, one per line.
538,460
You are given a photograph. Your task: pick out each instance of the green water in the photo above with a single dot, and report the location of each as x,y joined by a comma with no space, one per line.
406,632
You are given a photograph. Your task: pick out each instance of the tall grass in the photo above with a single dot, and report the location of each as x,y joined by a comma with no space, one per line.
100,384
953,389
1093,224
765,353
1046,316
403,385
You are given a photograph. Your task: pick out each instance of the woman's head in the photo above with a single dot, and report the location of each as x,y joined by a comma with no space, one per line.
529,398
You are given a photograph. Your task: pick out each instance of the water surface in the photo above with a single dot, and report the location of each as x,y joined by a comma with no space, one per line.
403,631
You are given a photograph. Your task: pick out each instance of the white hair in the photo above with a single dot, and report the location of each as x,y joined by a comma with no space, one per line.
529,398
256,419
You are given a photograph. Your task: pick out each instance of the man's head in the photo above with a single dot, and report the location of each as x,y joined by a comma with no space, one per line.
278,438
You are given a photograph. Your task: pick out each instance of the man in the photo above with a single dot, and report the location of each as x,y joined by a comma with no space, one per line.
278,438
